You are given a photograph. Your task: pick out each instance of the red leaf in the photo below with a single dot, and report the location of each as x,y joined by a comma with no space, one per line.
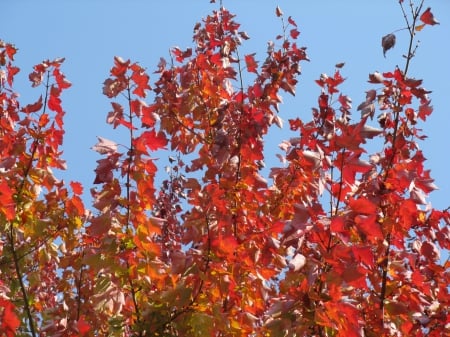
362,206
8,319
337,224
251,63
127,124
83,326
113,87
256,90
36,78
11,71
54,102
294,33
428,18
149,118
7,205
291,21
424,111
365,255
141,79
114,117
30,108
154,141
77,188
369,226
10,51
120,66
278,11
61,80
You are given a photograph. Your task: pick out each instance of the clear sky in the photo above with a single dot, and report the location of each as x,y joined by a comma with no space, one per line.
89,33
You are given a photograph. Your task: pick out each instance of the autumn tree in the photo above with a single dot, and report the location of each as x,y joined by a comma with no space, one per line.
334,242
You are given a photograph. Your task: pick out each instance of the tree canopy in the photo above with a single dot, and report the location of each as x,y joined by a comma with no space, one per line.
335,241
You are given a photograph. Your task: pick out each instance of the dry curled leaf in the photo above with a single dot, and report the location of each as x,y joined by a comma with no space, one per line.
387,42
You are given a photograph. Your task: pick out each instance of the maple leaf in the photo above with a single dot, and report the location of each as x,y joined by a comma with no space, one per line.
141,79
252,66
61,80
428,18
105,146
116,115
225,245
294,33
8,319
34,107
11,71
54,102
36,78
425,110
370,227
152,139
11,50
6,200
113,87
362,206
77,188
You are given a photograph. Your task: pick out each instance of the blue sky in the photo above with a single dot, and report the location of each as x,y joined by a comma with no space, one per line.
89,33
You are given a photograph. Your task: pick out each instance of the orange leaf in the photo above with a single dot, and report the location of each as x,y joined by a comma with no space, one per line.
419,27
226,245
77,188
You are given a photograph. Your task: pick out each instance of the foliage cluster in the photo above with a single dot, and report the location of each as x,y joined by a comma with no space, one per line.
340,243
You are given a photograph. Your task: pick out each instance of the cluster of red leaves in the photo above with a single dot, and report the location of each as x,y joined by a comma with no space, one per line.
360,257
39,216
341,244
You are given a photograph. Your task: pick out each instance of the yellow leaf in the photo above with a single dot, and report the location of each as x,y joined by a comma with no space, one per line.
420,27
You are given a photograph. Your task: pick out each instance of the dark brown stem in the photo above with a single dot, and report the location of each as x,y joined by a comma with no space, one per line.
239,140
21,282
397,110
128,192
79,281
